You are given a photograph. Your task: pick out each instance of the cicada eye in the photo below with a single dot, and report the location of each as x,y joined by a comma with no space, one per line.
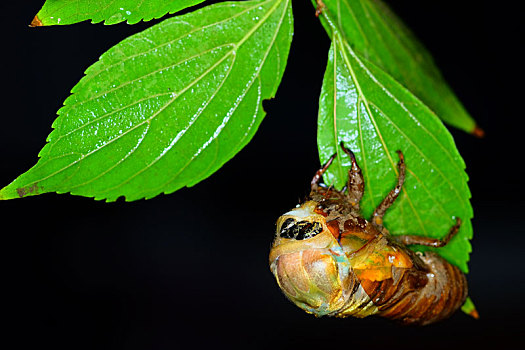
288,228
292,229
308,230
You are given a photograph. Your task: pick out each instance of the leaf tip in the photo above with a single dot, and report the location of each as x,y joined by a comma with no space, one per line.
478,132
36,22
470,309
474,313
4,194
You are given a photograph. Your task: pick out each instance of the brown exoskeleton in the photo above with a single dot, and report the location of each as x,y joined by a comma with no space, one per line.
329,260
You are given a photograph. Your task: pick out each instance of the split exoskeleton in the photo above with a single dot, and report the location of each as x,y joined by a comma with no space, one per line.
329,260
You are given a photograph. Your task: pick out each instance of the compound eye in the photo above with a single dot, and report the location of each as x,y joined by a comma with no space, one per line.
292,229
288,228
308,230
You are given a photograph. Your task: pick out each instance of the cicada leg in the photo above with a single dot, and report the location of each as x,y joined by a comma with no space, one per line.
356,183
377,216
431,242
319,174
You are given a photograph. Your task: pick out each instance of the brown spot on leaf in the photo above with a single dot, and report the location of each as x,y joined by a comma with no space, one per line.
36,22
24,191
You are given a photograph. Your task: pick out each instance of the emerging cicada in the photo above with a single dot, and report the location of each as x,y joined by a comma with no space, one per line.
329,260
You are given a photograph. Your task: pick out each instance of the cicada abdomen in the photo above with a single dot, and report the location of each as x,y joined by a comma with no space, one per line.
329,260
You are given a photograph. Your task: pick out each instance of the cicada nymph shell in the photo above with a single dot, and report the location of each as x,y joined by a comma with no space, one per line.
329,260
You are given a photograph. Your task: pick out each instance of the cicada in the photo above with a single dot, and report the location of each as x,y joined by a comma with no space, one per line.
329,260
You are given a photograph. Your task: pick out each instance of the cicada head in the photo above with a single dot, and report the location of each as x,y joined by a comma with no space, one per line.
307,261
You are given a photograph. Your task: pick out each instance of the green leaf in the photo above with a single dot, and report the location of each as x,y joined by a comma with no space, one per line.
375,116
111,11
167,107
377,34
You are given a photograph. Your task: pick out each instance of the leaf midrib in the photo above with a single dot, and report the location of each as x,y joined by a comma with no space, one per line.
362,98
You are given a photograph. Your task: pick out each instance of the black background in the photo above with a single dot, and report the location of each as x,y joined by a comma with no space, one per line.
190,269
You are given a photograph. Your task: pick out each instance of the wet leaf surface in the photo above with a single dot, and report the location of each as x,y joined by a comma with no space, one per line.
167,107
